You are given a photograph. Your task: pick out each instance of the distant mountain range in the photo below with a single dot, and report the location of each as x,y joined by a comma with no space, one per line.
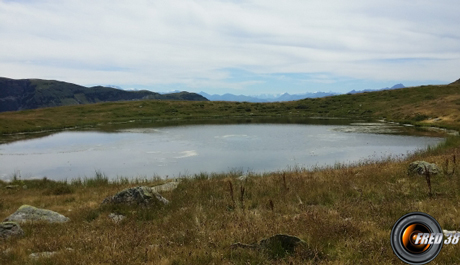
21,94
36,93
283,97
265,97
370,90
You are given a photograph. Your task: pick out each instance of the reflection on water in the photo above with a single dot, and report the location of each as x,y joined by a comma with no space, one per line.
179,150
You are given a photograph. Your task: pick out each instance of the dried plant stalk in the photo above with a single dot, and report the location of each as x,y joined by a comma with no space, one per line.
242,196
231,193
428,179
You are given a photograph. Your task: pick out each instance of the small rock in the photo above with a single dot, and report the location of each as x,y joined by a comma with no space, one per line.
447,232
418,167
286,242
10,229
243,177
165,187
116,218
46,254
24,187
28,213
142,195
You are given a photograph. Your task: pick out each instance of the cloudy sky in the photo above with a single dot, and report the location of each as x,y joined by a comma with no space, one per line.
235,46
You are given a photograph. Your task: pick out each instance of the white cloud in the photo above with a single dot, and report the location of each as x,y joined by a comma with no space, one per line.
190,42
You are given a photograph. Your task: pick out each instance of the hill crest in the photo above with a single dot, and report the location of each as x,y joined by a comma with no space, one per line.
22,94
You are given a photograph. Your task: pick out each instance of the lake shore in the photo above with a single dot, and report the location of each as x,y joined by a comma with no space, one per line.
344,214
425,106
176,151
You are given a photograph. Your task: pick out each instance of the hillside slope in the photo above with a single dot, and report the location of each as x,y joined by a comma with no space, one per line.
437,105
424,105
35,93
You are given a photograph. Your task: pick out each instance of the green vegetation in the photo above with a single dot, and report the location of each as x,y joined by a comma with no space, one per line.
37,93
344,213
425,105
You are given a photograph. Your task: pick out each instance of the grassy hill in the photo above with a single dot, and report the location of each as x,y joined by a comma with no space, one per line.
36,93
425,105
343,213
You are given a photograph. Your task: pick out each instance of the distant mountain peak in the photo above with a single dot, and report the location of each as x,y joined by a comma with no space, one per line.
265,97
397,86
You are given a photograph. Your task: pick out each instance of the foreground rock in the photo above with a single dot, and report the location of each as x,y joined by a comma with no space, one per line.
27,213
46,254
142,195
116,218
166,187
447,232
10,229
286,242
243,177
419,167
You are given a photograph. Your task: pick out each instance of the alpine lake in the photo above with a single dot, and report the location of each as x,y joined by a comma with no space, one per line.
178,149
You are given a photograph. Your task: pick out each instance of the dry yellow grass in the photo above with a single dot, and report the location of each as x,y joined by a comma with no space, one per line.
344,213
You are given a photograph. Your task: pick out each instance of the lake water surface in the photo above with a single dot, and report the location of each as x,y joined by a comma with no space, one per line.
191,149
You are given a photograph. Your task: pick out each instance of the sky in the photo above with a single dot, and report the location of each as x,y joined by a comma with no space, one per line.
232,46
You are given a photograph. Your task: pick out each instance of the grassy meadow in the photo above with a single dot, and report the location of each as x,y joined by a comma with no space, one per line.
344,213
422,106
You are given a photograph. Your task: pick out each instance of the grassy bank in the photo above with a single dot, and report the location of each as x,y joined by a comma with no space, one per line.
425,105
344,213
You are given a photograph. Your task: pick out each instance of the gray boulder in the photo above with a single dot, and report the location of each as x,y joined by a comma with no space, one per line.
27,213
142,195
10,229
165,187
418,167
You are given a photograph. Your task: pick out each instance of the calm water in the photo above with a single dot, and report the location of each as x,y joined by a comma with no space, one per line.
182,150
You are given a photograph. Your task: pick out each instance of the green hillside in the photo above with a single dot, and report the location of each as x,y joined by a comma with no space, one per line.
425,105
36,93
343,213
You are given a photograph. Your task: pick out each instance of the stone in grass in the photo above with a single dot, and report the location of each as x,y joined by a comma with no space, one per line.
419,167
27,213
284,243
46,254
166,187
142,195
116,218
10,229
